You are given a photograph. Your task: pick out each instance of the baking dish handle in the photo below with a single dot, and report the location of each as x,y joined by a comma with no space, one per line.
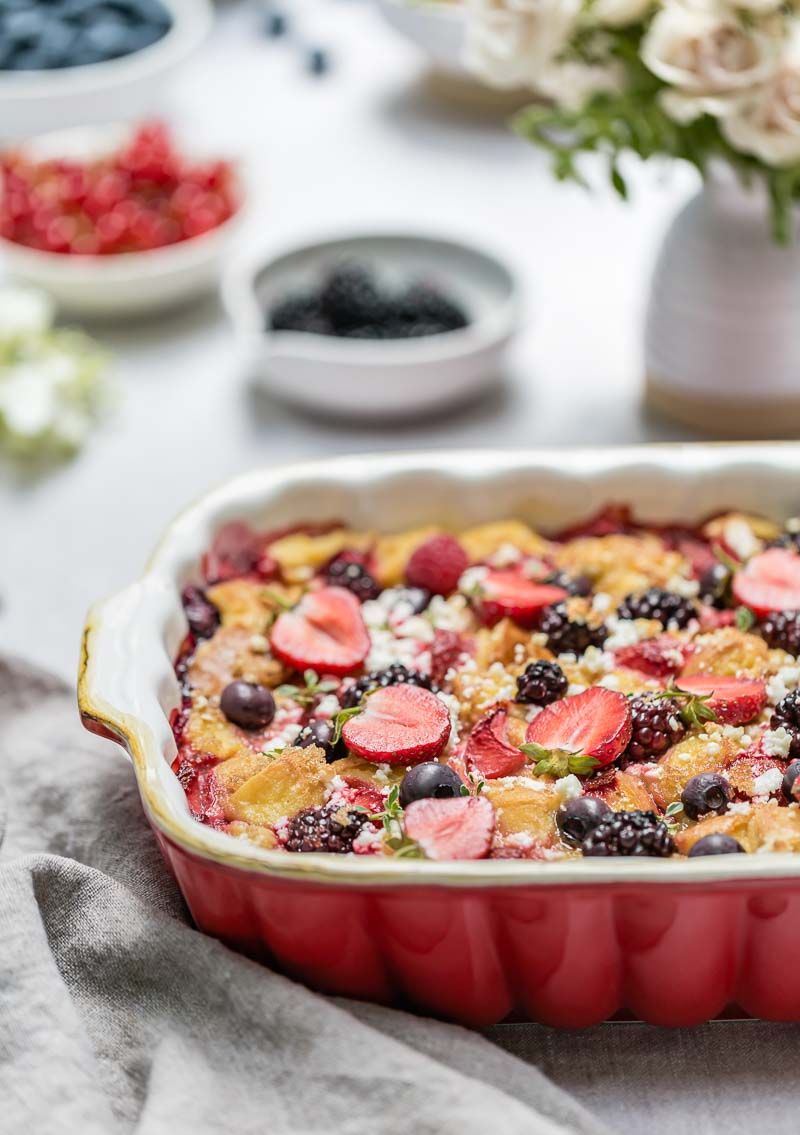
123,666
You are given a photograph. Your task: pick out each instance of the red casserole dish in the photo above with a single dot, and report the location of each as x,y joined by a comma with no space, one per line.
569,943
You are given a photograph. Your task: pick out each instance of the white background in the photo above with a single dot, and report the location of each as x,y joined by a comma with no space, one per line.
367,145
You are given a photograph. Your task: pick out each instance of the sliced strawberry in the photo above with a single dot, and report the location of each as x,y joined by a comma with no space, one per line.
613,519
437,565
507,594
658,657
324,632
489,752
399,725
446,650
359,793
596,723
460,827
698,553
735,701
769,582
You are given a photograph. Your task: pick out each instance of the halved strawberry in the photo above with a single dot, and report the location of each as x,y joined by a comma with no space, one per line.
324,632
507,594
359,793
769,582
460,827
658,657
446,649
399,725
489,752
735,701
596,723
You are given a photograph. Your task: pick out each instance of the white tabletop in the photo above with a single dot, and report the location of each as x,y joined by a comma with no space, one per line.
364,146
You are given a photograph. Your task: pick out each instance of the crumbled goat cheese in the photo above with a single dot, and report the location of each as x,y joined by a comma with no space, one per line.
505,556
575,688
602,603
625,632
769,782
713,748
471,582
568,787
777,742
259,644
739,537
782,683
386,648
534,568
686,588
610,681
520,839
451,614
282,739
327,706
452,704
595,660
740,808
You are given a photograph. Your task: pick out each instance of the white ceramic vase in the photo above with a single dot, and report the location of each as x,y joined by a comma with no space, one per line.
722,343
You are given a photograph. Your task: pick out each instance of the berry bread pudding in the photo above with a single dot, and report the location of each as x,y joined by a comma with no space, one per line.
616,690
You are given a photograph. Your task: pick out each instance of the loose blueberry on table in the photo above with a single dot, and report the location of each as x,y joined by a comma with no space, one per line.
494,692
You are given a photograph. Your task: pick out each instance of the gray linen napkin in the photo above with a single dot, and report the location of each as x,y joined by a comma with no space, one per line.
116,1016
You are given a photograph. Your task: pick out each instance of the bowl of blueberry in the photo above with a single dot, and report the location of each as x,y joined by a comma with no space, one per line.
70,62
117,220
374,326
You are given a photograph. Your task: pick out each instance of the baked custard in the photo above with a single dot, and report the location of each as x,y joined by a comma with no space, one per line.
616,690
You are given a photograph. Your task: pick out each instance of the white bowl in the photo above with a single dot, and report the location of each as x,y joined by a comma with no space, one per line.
436,27
369,379
130,283
34,101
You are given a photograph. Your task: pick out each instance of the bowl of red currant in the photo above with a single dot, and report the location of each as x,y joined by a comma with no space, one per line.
116,220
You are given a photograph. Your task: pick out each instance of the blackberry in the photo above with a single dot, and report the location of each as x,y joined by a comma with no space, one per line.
572,584
715,583
781,631
630,833
787,714
395,675
655,603
349,298
421,304
656,727
345,572
330,828
541,684
565,636
299,312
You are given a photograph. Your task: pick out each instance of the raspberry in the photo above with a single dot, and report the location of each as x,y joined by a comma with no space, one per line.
331,828
656,727
346,571
395,675
787,714
437,565
565,636
630,833
781,631
666,606
541,683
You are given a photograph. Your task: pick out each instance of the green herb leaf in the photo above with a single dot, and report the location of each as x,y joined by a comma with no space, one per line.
745,619
673,808
341,719
694,710
279,600
558,762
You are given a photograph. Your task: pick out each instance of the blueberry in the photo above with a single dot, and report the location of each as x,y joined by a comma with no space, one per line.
318,61
705,793
714,584
427,780
320,733
247,705
716,844
789,777
576,818
201,614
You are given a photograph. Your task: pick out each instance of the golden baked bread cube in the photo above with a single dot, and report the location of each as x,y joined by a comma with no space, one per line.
484,540
700,752
773,828
233,773
250,603
728,651
392,553
619,565
733,824
522,806
262,837
229,655
300,554
294,780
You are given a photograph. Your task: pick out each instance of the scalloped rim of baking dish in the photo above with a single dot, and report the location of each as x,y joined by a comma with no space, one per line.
127,683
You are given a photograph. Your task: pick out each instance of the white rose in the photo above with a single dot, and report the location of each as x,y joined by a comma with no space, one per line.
768,125
619,13
508,43
709,58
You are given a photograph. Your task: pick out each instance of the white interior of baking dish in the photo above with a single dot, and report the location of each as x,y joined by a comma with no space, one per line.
132,639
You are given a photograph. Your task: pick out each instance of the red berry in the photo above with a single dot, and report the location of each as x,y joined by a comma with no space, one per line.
735,701
489,752
769,582
324,632
658,657
437,565
399,724
459,827
507,594
596,723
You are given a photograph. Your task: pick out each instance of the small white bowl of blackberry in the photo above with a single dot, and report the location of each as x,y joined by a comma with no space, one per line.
374,327
72,62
